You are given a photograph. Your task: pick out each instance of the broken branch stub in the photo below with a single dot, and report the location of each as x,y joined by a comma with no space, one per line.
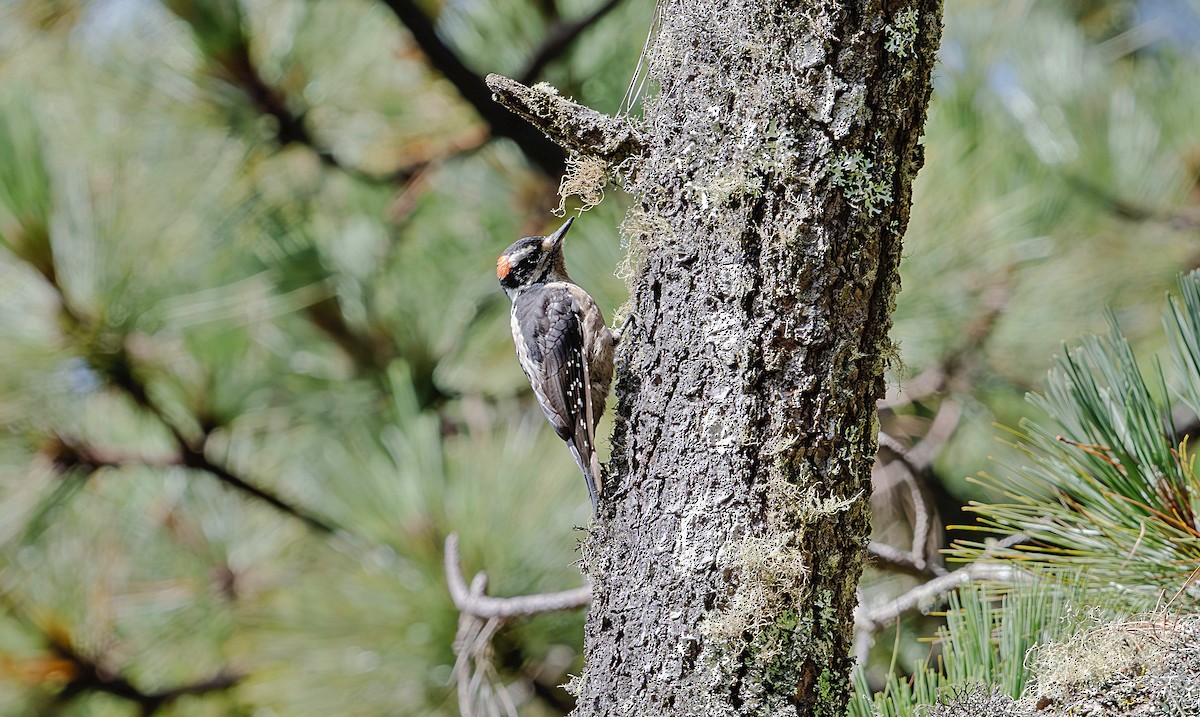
577,128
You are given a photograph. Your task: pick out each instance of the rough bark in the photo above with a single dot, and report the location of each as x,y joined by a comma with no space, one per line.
772,191
771,205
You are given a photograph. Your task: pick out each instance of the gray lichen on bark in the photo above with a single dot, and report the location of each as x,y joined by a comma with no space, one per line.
577,128
772,188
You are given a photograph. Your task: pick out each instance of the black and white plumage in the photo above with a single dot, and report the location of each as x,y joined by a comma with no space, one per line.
563,345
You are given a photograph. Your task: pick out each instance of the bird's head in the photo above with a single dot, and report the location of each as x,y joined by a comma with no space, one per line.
533,260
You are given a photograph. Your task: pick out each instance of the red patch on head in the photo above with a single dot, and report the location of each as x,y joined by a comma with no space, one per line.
502,267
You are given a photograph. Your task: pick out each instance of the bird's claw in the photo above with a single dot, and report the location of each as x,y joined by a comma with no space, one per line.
630,318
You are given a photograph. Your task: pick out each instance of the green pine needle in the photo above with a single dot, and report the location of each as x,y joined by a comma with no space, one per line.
1108,486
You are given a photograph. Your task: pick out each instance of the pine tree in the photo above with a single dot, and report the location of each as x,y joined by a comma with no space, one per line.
254,366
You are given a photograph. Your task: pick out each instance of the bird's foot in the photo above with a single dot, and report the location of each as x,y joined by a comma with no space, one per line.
630,318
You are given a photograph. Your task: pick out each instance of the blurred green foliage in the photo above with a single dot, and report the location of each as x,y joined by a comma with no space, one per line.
255,239
1060,179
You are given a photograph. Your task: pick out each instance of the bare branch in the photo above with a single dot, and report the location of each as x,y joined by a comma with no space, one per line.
874,619
927,592
558,39
485,607
480,692
941,429
903,562
867,622
578,128
912,477
929,496
914,474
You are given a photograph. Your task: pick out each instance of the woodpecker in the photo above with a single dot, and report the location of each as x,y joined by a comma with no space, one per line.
563,344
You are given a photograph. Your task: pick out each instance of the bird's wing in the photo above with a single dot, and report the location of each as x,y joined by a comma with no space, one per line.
551,346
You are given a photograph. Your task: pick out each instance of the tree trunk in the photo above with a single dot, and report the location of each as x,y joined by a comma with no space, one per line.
771,202
772,179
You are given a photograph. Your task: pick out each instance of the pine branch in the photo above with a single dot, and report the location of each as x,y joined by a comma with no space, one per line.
118,369
1105,487
869,621
559,39
1131,211
68,454
231,53
472,88
109,356
87,674
371,352
121,373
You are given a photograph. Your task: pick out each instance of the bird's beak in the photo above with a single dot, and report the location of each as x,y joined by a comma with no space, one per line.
553,241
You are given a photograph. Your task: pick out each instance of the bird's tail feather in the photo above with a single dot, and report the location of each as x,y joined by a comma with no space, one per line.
590,469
